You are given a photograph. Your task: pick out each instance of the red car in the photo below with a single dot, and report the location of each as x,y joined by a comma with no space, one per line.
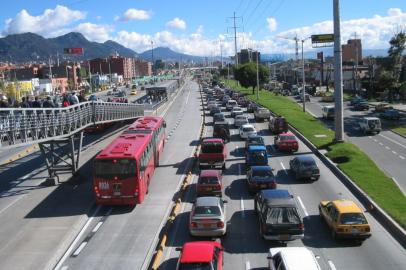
286,142
201,255
209,183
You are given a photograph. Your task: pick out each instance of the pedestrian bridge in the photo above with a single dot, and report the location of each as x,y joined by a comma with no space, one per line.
22,126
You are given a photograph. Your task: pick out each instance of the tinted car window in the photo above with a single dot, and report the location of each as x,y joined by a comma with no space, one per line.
282,215
261,173
288,138
207,210
195,266
247,129
258,140
208,180
212,148
353,218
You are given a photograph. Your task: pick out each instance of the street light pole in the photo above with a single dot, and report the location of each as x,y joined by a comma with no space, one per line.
152,56
338,73
257,76
303,81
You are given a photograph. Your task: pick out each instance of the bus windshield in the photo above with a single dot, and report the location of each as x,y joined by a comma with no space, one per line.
216,147
121,168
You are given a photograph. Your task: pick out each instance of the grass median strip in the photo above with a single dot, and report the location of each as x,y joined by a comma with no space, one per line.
350,159
401,130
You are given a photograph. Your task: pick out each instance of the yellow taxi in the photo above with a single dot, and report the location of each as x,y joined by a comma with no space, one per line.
345,219
133,92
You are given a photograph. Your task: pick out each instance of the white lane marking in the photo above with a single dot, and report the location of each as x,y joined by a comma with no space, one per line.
11,204
389,139
312,114
303,207
80,234
283,167
79,249
375,140
95,229
394,152
387,147
397,183
242,205
402,157
64,268
331,264
370,137
380,143
247,265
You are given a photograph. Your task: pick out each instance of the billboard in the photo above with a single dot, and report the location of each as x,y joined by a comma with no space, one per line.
323,40
73,51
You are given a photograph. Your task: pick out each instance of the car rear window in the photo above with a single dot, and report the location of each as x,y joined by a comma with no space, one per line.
282,215
248,129
259,140
288,138
307,163
352,219
208,180
262,173
207,210
212,148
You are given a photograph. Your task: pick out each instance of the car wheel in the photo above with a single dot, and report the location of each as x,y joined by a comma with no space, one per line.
224,166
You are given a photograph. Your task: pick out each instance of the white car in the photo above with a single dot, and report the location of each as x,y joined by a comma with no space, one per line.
240,120
211,104
247,130
292,258
231,103
236,111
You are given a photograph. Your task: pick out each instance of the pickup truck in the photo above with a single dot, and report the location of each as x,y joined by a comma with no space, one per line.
213,153
261,114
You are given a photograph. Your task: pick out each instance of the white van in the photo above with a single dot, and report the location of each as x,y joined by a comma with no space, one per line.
328,112
231,104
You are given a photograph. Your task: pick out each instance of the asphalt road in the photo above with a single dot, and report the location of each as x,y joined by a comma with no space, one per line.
40,223
387,149
244,249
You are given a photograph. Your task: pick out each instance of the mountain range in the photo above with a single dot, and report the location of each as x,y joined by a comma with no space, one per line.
27,47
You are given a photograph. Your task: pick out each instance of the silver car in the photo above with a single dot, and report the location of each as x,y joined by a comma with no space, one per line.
240,120
207,217
236,111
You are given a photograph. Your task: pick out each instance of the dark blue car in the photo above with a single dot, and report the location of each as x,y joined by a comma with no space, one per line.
391,115
256,155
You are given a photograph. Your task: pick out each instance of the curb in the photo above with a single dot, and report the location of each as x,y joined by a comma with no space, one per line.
394,229
397,133
23,153
159,250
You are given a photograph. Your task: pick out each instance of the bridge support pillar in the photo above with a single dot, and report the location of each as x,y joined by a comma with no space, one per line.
61,156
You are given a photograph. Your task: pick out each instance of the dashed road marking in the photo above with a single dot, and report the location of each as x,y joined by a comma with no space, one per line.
97,227
283,167
331,264
402,157
79,249
387,147
380,143
65,267
303,207
389,139
247,265
394,152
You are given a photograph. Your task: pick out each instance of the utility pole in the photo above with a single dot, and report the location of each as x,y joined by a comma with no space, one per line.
90,77
303,80
257,76
235,37
338,73
152,56
221,53
50,74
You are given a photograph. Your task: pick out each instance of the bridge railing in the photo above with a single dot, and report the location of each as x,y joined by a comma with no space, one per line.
19,126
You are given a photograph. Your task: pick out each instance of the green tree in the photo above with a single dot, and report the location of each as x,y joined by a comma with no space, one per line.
395,52
246,75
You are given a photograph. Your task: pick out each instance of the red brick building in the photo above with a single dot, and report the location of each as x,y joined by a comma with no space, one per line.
352,50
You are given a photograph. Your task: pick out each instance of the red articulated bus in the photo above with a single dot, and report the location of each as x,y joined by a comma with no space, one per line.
123,170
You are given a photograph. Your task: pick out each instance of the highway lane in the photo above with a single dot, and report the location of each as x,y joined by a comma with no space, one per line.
38,223
243,245
126,238
387,149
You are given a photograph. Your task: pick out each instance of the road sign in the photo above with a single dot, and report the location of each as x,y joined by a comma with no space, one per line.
322,40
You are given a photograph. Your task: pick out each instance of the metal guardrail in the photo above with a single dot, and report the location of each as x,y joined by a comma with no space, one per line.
20,126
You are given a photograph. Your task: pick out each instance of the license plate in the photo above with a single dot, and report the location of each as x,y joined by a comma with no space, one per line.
207,226
116,193
211,162
284,237
354,231
208,189
263,186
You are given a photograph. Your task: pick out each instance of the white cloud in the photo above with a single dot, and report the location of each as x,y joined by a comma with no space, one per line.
272,24
94,32
134,14
176,23
45,24
394,12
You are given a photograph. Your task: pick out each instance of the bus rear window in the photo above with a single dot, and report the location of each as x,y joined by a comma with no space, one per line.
121,168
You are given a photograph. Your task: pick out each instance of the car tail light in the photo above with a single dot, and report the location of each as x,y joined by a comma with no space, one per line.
367,229
96,190
193,224
136,192
220,224
273,185
217,186
301,226
340,229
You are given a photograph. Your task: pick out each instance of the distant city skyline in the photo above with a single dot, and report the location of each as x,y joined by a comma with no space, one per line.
196,28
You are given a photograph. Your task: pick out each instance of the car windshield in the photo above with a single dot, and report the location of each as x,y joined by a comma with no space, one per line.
212,147
208,180
122,168
288,138
248,129
262,173
207,211
195,266
307,163
258,140
282,215
240,118
352,218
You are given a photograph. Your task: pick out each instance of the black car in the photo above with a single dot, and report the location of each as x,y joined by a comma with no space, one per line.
221,130
260,177
214,110
361,106
278,215
254,139
251,107
219,117
304,167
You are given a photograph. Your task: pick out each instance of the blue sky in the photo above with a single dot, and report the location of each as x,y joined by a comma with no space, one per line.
196,27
